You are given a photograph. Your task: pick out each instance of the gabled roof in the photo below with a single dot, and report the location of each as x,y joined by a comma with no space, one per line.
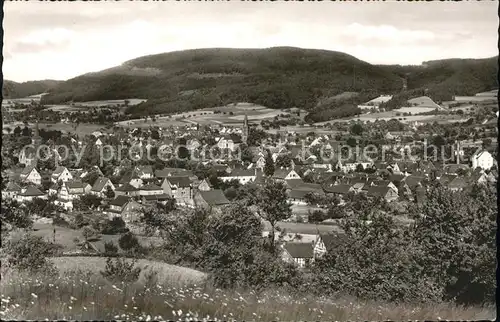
376,191
119,201
58,171
163,173
413,181
26,171
129,176
126,187
333,241
144,170
181,182
339,188
151,187
241,173
99,184
32,191
281,173
214,197
299,250
12,186
74,184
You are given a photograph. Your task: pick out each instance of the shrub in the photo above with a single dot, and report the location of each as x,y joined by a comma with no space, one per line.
128,242
114,226
110,248
316,216
120,270
80,221
30,253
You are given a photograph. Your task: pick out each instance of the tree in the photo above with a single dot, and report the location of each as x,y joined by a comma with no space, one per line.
456,234
269,165
14,215
360,168
30,253
121,270
283,161
128,241
357,129
110,194
273,206
114,226
87,202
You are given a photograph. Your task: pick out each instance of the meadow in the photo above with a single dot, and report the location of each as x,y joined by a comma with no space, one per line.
85,295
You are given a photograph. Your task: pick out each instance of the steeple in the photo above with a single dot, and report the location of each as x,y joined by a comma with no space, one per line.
244,131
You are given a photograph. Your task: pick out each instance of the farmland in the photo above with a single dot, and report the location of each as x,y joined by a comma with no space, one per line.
232,114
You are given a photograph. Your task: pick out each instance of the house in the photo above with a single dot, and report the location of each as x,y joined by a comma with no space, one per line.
327,243
132,178
213,199
285,174
385,183
144,172
205,185
126,190
30,174
150,189
30,193
11,191
300,254
101,186
71,190
226,142
180,188
339,189
482,159
385,192
243,176
124,207
27,156
61,174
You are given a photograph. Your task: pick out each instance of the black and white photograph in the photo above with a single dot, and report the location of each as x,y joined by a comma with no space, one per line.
249,160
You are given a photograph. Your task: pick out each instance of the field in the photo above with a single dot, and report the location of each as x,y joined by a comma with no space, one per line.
474,99
82,295
255,114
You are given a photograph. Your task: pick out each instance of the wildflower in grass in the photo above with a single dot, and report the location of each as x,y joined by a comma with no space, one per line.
34,295
173,312
5,301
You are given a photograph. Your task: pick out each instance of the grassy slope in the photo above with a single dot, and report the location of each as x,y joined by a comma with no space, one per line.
83,296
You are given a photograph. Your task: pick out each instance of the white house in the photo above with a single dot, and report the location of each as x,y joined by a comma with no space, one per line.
482,159
61,173
30,174
242,175
101,186
72,190
30,193
300,254
226,143
285,174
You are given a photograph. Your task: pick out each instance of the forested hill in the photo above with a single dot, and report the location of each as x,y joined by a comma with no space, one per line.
12,89
279,77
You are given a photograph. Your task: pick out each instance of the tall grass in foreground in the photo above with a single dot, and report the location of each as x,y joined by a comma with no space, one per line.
87,296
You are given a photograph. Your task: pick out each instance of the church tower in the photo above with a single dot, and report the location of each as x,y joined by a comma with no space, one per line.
36,140
244,131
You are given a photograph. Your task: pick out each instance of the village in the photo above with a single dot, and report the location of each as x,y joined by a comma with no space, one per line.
208,166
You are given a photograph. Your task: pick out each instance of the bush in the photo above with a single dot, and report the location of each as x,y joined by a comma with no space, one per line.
128,242
119,270
316,216
110,248
114,226
30,254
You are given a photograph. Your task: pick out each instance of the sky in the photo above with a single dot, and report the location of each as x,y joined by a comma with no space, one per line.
61,40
